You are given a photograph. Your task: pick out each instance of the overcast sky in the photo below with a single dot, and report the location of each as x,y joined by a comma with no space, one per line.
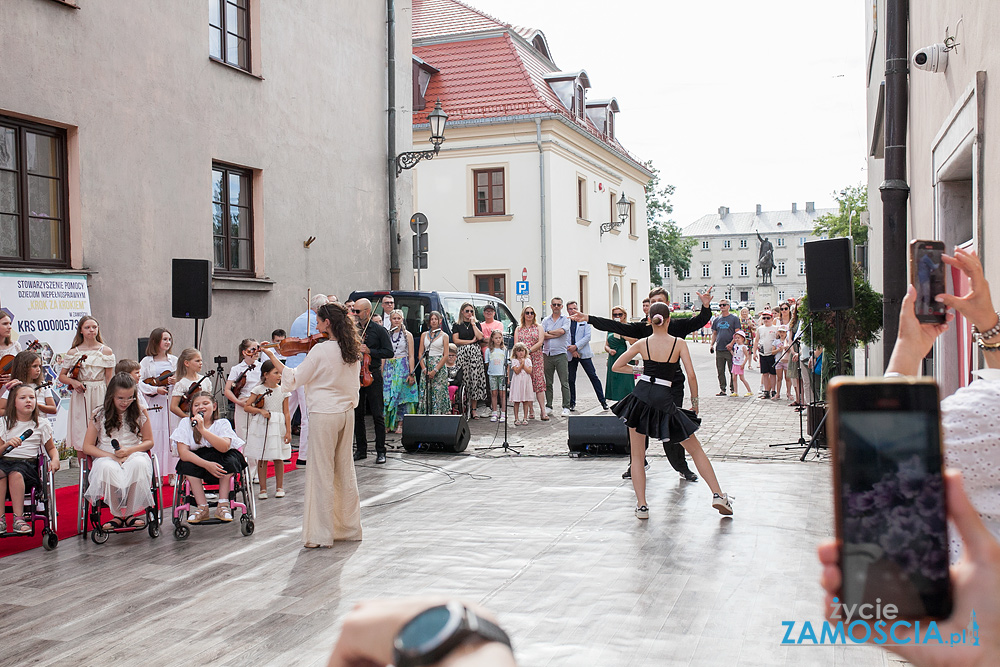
737,103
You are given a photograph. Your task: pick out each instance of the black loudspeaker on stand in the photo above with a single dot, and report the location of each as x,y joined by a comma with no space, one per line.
597,434
191,291
451,432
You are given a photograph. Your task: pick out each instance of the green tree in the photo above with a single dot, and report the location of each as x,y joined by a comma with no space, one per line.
666,245
853,200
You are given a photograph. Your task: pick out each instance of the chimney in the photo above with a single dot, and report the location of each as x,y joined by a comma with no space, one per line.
810,207
723,212
795,207
758,209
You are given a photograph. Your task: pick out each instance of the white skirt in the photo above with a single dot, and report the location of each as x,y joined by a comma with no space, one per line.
265,439
159,422
125,487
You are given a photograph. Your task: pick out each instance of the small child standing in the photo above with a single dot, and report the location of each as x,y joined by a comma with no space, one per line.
521,393
453,371
740,350
269,437
780,359
497,373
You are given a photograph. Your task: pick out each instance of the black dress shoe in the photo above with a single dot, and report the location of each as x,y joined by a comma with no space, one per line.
689,476
380,457
360,456
300,462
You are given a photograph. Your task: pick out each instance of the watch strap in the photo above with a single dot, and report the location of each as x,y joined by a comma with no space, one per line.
489,631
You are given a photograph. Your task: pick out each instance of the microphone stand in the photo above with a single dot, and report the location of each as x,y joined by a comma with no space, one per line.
507,448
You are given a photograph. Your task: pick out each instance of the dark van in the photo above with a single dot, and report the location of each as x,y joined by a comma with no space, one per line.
417,306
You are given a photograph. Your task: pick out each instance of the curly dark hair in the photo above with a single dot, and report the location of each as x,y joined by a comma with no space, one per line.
345,332
113,420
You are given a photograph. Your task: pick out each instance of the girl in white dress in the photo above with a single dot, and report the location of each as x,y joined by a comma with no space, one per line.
94,364
209,452
18,467
158,361
188,371
270,433
249,370
122,476
27,369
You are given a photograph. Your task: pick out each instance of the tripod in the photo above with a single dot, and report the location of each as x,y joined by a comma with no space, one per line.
219,385
801,442
507,448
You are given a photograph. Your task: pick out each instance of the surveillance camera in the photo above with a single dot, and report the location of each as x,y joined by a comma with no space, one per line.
933,58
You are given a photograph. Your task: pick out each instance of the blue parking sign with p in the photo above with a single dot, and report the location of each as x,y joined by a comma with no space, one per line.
521,286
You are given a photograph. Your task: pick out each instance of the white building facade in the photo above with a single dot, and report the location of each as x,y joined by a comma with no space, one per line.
727,249
529,171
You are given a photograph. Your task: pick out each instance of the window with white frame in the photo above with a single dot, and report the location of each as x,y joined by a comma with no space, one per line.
704,245
781,268
781,295
666,272
727,269
706,271
802,240
802,268
744,269
743,243
687,273
687,298
727,244
780,242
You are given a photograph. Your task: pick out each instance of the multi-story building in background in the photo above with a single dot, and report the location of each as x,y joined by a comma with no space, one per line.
727,248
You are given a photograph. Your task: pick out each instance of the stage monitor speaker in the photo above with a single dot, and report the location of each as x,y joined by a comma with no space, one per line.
601,431
816,414
143,344
451,432
829,274
192,289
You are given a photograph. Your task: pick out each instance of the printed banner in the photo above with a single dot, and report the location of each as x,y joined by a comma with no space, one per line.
47,308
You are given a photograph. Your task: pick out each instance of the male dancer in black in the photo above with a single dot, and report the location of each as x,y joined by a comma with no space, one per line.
376,344
678,328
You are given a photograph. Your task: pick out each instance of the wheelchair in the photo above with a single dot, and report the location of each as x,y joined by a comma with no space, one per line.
91,513
461,404
184,501
39,505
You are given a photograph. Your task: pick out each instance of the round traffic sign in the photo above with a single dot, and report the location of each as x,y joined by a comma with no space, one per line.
418,223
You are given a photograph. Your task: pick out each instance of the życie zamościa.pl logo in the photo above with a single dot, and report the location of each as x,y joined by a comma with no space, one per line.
877,624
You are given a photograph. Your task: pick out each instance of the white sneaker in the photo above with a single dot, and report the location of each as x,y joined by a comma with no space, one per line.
723,503
565,412
503,417
642,512
493,417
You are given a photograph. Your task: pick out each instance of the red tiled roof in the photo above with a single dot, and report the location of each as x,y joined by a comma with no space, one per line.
489,77
432,18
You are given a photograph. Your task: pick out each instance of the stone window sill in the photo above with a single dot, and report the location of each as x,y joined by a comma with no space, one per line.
241,284
235,68
583,221
615,231
48,271
488,218
633,237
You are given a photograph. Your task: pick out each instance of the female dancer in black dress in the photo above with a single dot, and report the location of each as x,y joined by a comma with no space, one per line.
650,410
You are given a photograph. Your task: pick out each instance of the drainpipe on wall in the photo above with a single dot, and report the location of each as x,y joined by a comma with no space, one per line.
541,198
390,8
894,189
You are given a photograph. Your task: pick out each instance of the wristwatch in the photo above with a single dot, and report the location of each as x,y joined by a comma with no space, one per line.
434,633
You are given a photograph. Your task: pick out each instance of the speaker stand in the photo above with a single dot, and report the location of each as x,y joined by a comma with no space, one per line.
507,448
196,335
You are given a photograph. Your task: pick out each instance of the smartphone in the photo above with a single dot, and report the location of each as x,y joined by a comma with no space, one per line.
889,498
927,275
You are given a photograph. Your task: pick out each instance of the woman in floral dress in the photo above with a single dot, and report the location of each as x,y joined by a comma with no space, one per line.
530,333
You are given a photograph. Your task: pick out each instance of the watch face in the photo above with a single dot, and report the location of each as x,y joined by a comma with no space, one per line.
426,630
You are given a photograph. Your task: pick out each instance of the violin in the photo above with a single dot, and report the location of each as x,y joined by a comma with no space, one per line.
366,371
241,379
289,346
7,360
74,373
154,408
43,386
161,380
258,402
185,402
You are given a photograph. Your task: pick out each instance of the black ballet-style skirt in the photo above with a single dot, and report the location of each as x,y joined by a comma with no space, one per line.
650,410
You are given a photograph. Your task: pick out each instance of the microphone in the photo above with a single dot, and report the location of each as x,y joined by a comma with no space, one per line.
194,422
114,445
24,436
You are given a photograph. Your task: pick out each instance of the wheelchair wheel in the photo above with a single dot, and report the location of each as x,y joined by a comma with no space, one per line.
153,524
50,541
181,532
99,535
246,525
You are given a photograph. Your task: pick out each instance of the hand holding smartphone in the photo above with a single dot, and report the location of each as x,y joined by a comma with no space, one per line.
927,273
891,517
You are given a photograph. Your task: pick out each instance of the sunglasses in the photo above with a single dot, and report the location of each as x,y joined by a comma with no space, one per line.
784,308
356,311
765,317
723,304
529,312
617,315
468,310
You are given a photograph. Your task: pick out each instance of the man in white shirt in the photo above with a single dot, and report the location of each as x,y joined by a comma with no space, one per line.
766,333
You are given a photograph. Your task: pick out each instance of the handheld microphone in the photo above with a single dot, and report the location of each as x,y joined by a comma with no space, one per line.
24,436
114,445
194,422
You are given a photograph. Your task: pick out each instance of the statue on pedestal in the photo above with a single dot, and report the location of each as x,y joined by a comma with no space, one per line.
765,262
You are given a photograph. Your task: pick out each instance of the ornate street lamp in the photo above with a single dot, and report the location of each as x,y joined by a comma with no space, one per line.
437,120
622,205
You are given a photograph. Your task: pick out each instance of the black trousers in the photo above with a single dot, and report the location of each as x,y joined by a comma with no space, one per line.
370,397
588,367
674,451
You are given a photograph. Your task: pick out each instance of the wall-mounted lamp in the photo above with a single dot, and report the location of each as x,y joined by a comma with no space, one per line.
622,205
437,120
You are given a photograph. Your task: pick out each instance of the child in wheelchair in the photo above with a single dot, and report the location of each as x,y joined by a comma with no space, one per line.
455,381
118,440
209,451
24,434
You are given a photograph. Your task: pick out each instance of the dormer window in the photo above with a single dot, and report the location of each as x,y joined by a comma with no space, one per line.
571,89
422,73
579,99
602,114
